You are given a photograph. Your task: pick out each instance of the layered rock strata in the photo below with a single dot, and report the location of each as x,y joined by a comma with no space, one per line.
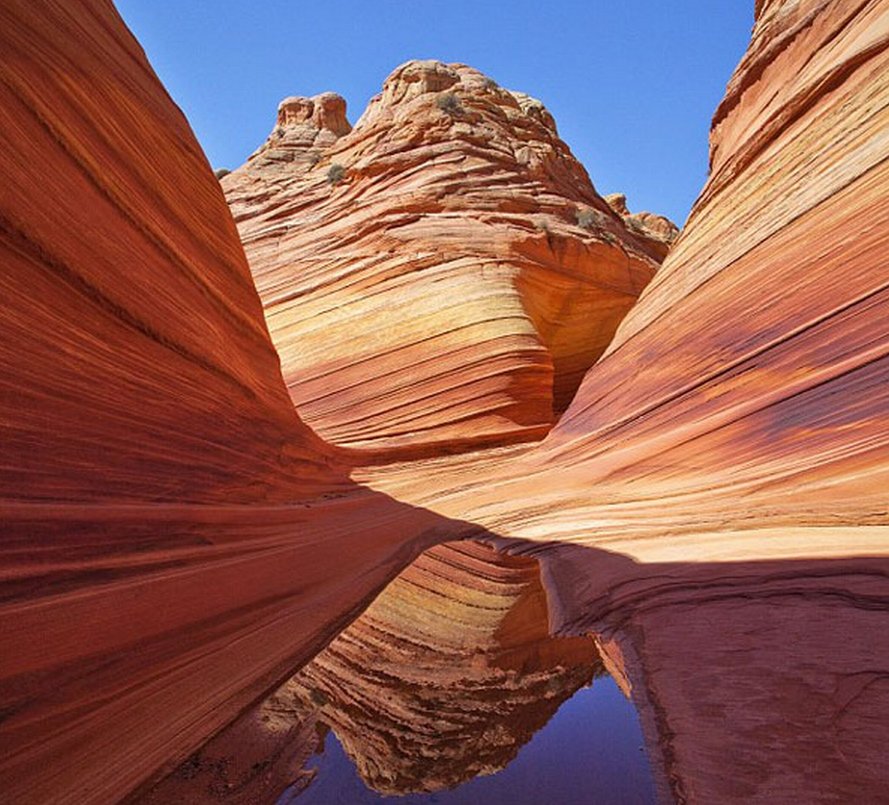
727,453
726,462
441,276
157,490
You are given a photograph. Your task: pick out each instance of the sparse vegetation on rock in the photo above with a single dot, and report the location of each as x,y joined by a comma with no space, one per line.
448,102
336,173
589,218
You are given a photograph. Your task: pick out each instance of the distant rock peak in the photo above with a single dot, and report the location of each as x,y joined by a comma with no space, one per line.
458,90
654,227
418,77
456,201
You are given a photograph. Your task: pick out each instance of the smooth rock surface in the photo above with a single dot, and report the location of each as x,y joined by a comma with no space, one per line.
158,493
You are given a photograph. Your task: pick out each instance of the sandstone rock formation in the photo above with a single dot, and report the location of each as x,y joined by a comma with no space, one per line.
726,463
712,504
657,228
157,489
441,276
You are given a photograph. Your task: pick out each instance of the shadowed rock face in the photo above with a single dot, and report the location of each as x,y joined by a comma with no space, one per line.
441,276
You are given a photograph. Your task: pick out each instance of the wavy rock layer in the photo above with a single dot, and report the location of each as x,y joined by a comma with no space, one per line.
137,365
440,276
747,388
729,451
155,481
732,445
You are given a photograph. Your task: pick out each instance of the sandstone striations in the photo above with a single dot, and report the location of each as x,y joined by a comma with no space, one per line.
712,504
441,276
157,489
728,456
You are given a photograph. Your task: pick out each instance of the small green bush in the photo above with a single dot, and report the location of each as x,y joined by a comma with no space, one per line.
336,173
220,172
449,103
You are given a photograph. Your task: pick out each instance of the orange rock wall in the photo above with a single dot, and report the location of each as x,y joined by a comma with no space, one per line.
137,364
755,364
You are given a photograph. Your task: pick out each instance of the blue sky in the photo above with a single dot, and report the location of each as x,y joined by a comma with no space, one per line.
632,83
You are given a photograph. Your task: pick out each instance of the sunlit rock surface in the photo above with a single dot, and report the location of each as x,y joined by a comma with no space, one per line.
441,276
732,444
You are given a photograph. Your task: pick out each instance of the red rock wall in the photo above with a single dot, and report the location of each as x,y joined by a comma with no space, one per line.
143,602
136,360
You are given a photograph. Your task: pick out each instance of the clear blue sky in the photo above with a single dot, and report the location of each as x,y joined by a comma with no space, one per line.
632,83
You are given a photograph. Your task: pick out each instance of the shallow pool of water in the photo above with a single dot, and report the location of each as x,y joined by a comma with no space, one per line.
591,751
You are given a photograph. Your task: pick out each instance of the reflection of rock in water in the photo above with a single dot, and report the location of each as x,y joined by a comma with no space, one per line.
447,674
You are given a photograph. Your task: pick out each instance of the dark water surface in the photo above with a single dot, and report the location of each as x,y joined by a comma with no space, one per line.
590,752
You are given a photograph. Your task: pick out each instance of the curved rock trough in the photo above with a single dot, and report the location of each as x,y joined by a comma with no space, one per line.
713,501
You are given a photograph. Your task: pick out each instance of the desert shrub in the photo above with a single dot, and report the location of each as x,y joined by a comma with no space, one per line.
635,225
220,172
336,173
449,103
588,218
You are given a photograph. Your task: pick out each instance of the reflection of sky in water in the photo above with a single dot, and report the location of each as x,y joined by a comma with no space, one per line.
589,753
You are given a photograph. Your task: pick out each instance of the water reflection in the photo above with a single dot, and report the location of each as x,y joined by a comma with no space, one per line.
589,752
450,689
447,675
